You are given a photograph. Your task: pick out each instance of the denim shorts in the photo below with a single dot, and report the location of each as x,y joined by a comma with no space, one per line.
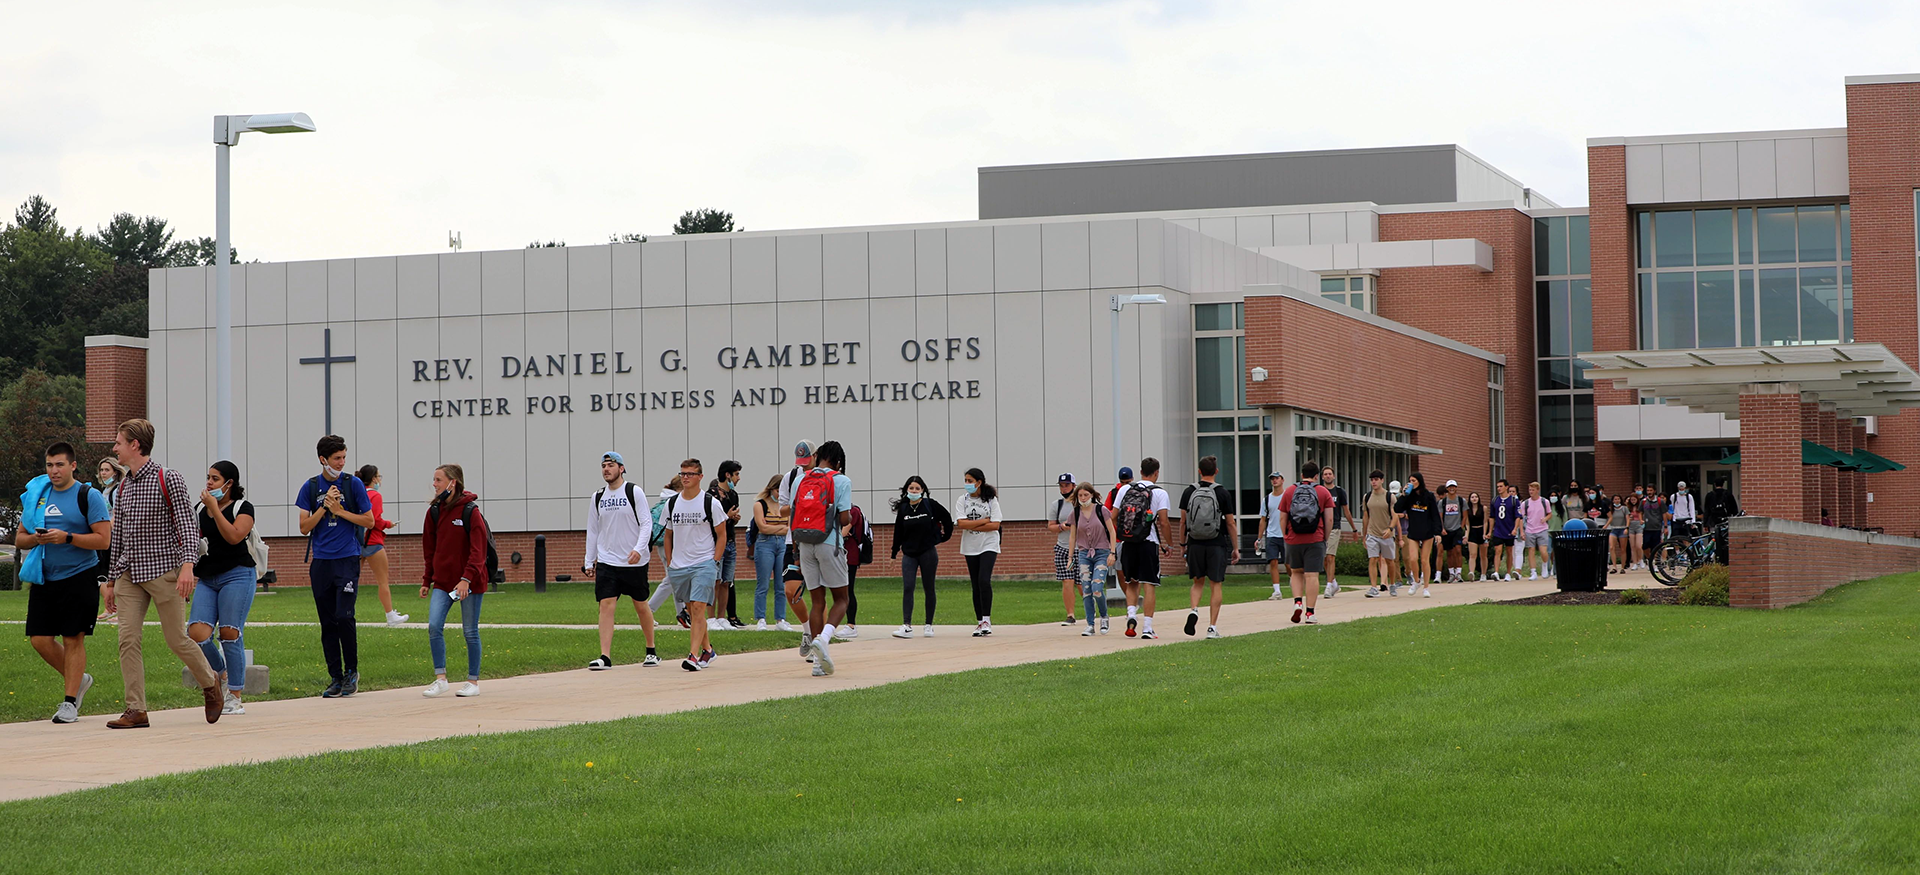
371,549
694,583
726,563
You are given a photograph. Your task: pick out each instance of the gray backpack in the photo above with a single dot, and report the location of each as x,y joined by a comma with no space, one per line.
1204,517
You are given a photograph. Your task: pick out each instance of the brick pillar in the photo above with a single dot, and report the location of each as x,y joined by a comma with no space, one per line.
1809,474
1829,476
116,383
1858,498
1770,432
1883,123
1610,240
1849,480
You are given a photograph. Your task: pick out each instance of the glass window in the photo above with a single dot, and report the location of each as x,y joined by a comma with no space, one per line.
1673,239
1846,232
1249,423
1213,317
1748,312
1577,242
1817,234
1776,235
1715,295
1819,305
1555,468
1646,311
1555,374
1580,312
1583,467
1745,235
1542,243
1846,304
1583,422
1580,378
1333,284
1550,312
1779,307
1214,366
1713,230
1675,310
1240,372
1556,420
1644,232
1214,423
1357,283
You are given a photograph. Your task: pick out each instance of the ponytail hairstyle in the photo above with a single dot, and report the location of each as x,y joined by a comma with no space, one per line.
987,492
367,474
232,473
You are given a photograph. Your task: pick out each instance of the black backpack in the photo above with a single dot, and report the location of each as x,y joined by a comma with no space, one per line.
1135,513
1303,511
494,574
317,483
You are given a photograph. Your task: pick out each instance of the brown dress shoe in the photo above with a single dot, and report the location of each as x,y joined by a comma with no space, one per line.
131,719
216,699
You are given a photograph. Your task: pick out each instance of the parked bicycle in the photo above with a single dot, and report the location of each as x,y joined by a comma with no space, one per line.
1680,554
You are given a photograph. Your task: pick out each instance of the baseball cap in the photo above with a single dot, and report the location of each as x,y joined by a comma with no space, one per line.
1276,475
803,449
1068,478
1453,483
1393,486
1126,473
1683,484
614,457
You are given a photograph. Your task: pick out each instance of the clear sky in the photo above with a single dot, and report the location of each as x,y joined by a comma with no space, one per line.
561,120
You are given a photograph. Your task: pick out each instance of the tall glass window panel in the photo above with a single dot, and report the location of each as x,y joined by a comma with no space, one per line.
1580,313
1552,314
1542,245
1646,312
1779,307
1556,420
1846,232
1674,305
1221,446
1578,238
1214,365
1583,467
1583,421
1817,242
1713,235
1715,293
1775,230
1555,374
1555,468
1240,371
1819,305
1249,477
1749,311
1846,304
1644,229
1744,234
1673,239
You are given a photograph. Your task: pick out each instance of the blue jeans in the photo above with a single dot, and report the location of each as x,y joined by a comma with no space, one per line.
437,609
222,602
769,560
1093,570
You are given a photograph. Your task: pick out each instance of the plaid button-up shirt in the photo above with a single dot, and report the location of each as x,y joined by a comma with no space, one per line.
153,533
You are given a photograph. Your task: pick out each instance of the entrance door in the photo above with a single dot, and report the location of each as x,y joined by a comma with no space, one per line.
1671,476
1712,474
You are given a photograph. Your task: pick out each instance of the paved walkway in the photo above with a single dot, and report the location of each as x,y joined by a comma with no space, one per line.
43,759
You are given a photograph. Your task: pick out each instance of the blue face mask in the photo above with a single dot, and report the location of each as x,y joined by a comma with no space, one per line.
106,482
914,497
218,494
973,488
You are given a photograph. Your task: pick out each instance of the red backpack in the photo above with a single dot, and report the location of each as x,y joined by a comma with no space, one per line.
813,516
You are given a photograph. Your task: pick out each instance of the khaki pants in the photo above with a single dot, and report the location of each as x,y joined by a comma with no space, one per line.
131,600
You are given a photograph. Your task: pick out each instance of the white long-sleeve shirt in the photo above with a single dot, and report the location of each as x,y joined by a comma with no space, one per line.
614,529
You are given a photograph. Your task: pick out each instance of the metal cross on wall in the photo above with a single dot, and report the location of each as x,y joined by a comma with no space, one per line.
327,360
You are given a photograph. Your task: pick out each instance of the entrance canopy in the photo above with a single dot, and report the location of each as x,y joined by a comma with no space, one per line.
1361,440
1859,379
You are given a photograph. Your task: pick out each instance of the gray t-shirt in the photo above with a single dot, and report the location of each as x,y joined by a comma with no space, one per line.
1061,511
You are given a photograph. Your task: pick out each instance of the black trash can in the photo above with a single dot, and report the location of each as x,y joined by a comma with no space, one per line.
1580,560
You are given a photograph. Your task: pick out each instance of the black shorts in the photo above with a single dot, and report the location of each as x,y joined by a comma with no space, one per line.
1141,560
1207,562
63,608
793,565
614,581
1502,542
1450,540
1311,556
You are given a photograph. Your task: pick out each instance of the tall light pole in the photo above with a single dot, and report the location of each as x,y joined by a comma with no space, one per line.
226,134
1117,302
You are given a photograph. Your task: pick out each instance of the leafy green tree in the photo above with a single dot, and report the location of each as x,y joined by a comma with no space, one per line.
550,244
705,221
199,253
627,238
36,410
48,275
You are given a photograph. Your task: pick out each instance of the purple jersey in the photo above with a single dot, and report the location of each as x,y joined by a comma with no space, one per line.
1506,511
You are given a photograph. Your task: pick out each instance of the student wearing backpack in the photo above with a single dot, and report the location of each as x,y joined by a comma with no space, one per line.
454,552
617,547
64,521
224,580
695,524
1506,516
1092,544
1140,519
1213,541
1273,530
822,504
1059,522
1119,486
1309,516
725,490
858,536
1533,515
333,509
920,526
792,581
1378,526
979,525
663,593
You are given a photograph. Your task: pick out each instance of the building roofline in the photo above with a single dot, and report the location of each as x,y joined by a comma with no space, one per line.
1244,156
1884,79
1717,137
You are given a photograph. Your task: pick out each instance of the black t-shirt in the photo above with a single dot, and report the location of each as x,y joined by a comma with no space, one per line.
1339,505
728,502
223,557
1225,497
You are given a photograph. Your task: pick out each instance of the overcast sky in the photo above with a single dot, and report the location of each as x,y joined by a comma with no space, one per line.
512,122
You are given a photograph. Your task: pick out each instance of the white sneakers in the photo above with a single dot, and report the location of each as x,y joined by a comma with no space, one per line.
983,629
822,656
233,705
395,618
434,689
468,689
760,626
846,633
926,631
1332,588
1212,632
1276,596
903,632
783,626
1425,592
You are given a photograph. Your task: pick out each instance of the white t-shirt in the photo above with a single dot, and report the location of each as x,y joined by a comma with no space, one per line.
1161,504
1681,506
974,543
692,533
788,483
614,527
1060,510
1276,517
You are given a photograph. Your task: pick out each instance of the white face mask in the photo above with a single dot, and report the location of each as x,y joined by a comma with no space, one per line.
331,472
915,497
1086,502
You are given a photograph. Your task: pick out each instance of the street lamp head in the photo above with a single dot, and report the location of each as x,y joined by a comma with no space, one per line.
1147,299
228,128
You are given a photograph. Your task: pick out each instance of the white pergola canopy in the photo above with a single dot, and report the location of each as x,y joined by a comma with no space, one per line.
1859,379
1361,440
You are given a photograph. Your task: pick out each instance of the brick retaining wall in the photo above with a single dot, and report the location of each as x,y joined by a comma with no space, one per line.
1779,562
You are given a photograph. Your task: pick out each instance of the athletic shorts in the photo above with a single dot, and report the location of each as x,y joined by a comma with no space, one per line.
614,581
1141,561
1310,556
1063,565
1476,538
1333,540
793,563
1540,540
1207,562
1276,549
695,582
1382,547
63,608
1450,540
823,565
1502,542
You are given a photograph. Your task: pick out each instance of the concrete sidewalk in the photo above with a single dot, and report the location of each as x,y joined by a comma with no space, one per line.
45,759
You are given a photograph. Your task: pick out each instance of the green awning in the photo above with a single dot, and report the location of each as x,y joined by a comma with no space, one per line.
1874,463
1730,460
1818,454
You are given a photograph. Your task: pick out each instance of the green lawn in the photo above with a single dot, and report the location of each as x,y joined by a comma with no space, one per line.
1482,738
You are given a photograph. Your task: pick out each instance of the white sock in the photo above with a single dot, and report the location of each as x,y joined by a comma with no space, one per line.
1149,623
987,620
826,632
1133,610
1276,589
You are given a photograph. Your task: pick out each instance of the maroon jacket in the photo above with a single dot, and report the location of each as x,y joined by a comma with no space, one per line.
451,550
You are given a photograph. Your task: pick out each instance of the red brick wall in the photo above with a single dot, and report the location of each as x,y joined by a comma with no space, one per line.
1026,551
1883,169
1770,435
116,389
1809,474
1771,569
1437,393
1493,311
1610,239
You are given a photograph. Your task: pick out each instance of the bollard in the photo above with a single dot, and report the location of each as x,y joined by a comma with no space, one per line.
539,563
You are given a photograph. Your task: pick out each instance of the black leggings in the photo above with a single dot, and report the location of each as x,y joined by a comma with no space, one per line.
926,564
980,571
853,601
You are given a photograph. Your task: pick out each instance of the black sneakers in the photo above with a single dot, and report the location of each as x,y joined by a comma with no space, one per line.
333,689
350,685
1193,621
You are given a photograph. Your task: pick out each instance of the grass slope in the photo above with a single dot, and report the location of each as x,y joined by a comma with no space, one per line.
1484,738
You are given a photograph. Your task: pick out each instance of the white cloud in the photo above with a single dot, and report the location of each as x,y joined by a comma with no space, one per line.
576,120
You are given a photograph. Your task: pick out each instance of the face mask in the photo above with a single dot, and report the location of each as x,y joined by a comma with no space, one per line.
444,495
331,472
973,488
106,481
914,497
1086,502
218,494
